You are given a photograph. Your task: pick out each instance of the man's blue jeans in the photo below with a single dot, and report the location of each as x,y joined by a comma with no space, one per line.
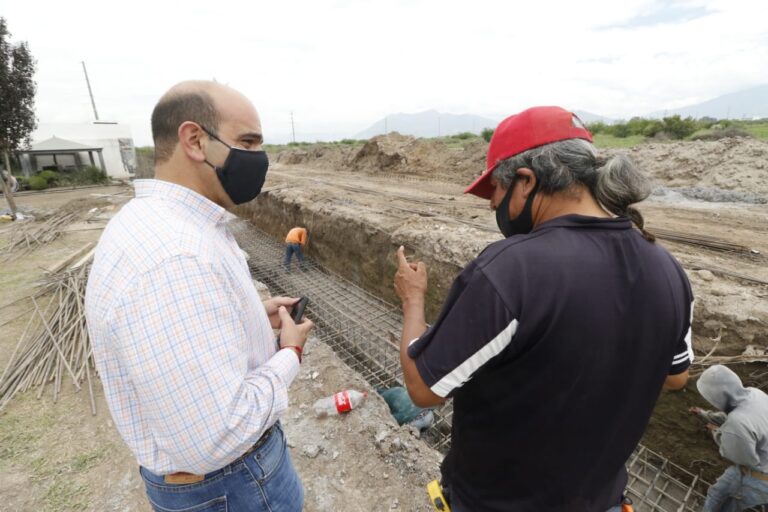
265,480
734,492
290,249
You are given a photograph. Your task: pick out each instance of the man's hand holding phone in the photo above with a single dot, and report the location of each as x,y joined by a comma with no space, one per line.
294,328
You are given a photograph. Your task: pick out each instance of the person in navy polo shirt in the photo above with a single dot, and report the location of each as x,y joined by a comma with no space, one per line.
555,342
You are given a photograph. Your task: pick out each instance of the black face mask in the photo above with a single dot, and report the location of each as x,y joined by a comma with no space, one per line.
243,172
523,223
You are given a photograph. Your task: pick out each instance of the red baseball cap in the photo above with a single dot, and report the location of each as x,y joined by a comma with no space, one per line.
527,130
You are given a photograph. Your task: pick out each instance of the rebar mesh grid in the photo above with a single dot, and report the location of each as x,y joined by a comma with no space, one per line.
364,331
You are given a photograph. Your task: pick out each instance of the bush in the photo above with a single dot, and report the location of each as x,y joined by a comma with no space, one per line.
679,128
84,176
95,175
620,130
487,134
463,135
597,127
38,183
52,177
348,141
653,128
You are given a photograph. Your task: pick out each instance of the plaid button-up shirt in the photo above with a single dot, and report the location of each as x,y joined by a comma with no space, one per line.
183,345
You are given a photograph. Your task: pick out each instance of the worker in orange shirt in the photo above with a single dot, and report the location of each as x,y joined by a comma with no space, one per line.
294,242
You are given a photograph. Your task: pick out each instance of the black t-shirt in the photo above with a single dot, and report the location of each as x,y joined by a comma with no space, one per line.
554,346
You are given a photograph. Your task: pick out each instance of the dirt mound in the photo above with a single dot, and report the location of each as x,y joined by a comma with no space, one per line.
318,155
738,164
397,154
388,153
732,164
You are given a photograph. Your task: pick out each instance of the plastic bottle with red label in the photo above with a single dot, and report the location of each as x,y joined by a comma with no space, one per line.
341,402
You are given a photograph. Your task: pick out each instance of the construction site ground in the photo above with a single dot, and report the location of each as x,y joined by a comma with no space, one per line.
359,208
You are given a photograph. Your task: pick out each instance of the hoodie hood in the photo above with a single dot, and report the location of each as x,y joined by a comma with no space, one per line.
722,388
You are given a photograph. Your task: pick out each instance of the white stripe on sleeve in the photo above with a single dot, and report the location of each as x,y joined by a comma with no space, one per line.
465,370
689,336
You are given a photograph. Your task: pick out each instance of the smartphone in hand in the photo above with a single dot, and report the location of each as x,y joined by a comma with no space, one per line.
298,309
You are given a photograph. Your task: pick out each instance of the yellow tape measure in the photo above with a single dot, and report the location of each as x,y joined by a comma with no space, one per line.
436,497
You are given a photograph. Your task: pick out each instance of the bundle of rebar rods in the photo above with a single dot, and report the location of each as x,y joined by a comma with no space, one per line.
27,236
710,242
54,346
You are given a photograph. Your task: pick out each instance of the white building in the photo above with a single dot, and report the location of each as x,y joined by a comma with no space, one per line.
118,155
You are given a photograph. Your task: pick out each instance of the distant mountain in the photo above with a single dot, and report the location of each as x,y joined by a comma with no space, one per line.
588,117
429,123
746,104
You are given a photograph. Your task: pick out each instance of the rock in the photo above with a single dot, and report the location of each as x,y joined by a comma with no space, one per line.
310,450
381,436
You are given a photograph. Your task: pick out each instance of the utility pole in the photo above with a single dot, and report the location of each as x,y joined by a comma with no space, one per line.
293,128
90,92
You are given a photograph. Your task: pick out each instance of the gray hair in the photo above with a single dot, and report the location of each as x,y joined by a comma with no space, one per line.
615,183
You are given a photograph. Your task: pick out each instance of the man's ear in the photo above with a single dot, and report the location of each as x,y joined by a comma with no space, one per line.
192,141
528,180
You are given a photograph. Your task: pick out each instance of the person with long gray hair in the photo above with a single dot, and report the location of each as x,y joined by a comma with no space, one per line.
555,342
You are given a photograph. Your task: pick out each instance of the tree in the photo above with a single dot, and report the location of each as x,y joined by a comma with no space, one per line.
17,93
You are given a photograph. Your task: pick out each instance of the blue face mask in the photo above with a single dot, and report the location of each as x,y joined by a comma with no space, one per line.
523,223
243,172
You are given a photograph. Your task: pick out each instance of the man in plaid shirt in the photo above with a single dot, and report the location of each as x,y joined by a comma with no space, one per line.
184,346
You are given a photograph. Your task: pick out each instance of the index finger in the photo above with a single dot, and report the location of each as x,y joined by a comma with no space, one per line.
401,256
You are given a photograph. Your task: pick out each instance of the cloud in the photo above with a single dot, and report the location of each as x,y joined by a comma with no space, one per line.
341,65
666,12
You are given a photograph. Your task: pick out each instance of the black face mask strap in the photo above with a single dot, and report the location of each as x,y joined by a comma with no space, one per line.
214,137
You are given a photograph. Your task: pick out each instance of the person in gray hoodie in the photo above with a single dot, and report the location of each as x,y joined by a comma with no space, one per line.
741,432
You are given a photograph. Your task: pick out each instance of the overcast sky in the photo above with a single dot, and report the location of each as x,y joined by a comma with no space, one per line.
341,65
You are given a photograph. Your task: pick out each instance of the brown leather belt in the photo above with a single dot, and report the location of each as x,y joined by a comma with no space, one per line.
754,474
182,478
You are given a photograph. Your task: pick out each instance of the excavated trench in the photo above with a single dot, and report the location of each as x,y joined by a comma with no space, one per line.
350,246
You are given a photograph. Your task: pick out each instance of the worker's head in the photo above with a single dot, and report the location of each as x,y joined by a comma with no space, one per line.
208,137
545,154
721,387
